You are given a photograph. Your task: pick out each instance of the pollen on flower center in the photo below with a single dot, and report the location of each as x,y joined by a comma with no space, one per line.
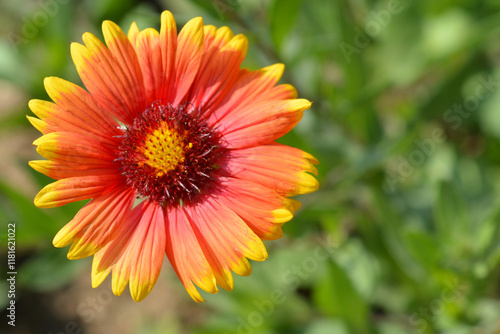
163,149
169,154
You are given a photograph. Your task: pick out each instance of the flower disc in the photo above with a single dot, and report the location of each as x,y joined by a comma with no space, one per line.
169,154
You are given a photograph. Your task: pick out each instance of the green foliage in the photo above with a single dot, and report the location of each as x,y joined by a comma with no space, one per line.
336,296
403,235
283,16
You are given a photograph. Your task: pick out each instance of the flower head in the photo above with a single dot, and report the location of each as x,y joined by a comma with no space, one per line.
174,145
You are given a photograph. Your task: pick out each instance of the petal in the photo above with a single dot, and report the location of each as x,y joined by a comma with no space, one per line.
226,236
220,269
262,123
96,220
132,34
150,58
74,150
186,255
111,253
168,41
282,168
101,221
75,189
148,248
75,106
262,209
98,276
214,40
40,125
126,58
58,119
249,86
106,80
58,170
188,56
219,68
141,252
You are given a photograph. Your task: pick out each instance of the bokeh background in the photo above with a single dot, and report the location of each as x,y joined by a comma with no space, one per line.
403,235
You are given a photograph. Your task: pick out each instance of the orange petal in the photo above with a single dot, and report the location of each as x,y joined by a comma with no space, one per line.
219,68
220,268
126,58
262,209
76,107
58,170
74,150
262,123
227,236
188,57
100,213
249,87
60,120
75,189
141,256
118,253
95,224
113,250
148,245
150,58
285,169
186,256
105,79
168,41
272,95
215,39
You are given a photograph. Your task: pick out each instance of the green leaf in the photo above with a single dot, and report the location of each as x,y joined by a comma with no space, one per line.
49,270
424,248
336,296
326,326
109,9
450,214
283,18
390,228
488,236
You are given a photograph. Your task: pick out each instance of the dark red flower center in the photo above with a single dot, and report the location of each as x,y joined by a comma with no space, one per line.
169,154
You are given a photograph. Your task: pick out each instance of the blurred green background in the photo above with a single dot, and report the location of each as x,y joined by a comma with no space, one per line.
403,235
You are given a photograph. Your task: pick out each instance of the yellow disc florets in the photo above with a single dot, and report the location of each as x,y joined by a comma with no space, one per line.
163,149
